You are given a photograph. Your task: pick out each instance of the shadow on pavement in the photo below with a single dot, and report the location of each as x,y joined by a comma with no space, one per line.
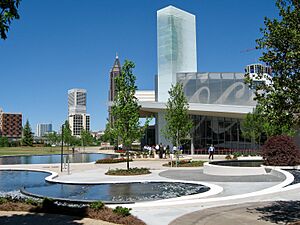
38,219
279,212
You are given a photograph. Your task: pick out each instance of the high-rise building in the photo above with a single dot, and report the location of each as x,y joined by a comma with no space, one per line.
77,116
78,122
43,128
11,125
76,101
176,39
114,72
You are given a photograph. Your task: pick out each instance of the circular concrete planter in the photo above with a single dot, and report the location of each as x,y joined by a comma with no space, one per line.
223,170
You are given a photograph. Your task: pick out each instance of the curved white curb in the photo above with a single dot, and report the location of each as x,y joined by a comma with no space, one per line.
219,170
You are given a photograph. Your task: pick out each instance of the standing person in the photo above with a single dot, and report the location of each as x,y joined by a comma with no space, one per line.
211,151
156,149
161,149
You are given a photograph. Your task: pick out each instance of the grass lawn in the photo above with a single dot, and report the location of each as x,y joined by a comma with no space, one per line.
31,150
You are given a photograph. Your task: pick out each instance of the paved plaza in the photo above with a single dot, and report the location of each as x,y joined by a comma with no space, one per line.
238,195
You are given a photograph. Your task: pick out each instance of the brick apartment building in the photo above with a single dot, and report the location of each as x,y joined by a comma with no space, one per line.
11,125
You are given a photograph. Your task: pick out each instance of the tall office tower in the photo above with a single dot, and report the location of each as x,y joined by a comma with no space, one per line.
11,125
76,101
43,128
77,116
114,72
176,39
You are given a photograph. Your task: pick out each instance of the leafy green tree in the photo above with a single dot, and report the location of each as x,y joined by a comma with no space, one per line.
179,123
109,135
252,126
279,98
8,12
52,138
125,110
27,139
4,142
67,134
86,138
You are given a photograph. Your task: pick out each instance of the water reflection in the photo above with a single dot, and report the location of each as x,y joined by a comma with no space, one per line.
49,159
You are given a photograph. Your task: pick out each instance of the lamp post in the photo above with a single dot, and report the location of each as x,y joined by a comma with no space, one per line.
62,148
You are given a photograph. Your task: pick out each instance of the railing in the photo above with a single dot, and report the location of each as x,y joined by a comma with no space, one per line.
204,151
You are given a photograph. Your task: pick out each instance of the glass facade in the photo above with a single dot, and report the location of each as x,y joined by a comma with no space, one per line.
176,37
216,88
223,133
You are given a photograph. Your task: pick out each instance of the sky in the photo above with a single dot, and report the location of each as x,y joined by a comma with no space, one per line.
58,45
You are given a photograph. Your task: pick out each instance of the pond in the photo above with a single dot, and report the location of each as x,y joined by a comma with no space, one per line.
238,163
54,158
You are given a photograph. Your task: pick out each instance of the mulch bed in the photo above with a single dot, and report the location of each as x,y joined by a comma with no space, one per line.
105,214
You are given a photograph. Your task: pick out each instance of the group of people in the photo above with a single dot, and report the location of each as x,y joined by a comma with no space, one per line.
158,149
161,150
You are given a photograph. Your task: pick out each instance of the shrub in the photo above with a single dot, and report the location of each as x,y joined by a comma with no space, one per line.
280,151
112,160
228,157
31,201
237,154
185,163
123,211
97,205
3,200
120,151
131,171
48,203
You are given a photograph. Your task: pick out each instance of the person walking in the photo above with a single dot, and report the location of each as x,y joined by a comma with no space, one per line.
211,151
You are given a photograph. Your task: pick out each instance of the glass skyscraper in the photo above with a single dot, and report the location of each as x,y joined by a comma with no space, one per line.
176,39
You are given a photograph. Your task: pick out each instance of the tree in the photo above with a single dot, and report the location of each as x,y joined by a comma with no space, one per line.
4,142
253,126
86,138
109,134
179,123
8,12
278,99
67,134
52,138
27,139
126,126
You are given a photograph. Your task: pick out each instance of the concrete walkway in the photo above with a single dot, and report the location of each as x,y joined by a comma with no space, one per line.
236,190
242,214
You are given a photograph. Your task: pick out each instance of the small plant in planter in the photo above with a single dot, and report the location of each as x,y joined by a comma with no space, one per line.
97,205
228,157
236,155
138,155
145,154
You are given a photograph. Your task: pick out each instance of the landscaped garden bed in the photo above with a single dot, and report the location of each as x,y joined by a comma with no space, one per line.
184,163
96,210
130,172
112,160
